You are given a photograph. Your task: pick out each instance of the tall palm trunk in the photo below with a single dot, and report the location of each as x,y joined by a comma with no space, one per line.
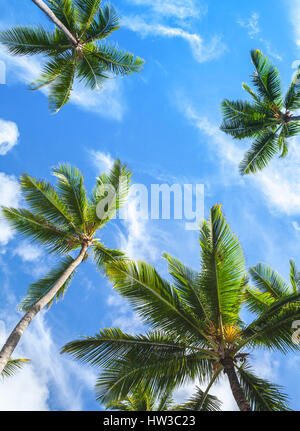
237,391
55,20
18,331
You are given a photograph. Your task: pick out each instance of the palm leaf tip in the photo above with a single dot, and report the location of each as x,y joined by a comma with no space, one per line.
13,366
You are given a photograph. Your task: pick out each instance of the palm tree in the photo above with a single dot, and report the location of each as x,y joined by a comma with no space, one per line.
269,118
64,219
75,48
144,400
196,330
12,366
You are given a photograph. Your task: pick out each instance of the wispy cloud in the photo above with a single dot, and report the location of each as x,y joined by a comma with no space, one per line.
9,135
251,24
202,50
28,252
48,374
294,13
102,161
180,9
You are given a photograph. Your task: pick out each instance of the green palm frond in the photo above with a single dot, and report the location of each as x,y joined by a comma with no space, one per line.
39,289
268,280
261,394
262,151
153,298
222,269
33,40
105,22
65,12
71,189
13,366
60,90
258,302
110,194
186,283
114,60
42,197
201,402
103,255
91,72
39,229
294,276
266,78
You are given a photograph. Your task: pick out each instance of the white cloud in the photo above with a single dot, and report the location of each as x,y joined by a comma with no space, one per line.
10,197
296,226
48,375
279,182
181,9
107,102
28,252
294,12
202,50
103,161
252,24
9,135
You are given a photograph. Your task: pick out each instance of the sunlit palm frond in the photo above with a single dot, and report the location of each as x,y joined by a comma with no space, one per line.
13,366
39,289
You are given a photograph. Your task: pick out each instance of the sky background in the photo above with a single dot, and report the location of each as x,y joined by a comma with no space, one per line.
164,124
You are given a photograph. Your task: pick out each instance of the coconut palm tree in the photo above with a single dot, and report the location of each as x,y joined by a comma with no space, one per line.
64,219
269,118
196,331
75,48
144,400
12,366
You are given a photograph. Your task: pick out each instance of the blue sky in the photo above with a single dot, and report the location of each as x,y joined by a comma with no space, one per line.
164,124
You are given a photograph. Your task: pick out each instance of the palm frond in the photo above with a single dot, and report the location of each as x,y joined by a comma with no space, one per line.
264,148
266,78
222,269
13,366
261,394
40,230
114,60
201,402
268,280
104,255
33,40
42,198
39,289
71,189
65,12
105,22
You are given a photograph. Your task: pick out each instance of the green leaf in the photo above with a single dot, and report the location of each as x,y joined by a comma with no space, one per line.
261,394
13,366
41,287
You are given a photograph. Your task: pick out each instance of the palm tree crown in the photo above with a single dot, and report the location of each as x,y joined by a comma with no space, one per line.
63,219
268,118
196,331
87,58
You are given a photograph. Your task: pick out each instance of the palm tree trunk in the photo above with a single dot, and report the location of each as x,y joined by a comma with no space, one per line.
55,20
237,391
18,331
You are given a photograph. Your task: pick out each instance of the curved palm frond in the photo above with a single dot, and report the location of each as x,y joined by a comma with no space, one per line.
13,366
201,402
261,394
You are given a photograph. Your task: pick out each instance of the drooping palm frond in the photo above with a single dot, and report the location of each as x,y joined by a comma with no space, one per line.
262,151
261,394
292,97
39,229
269,281
106,21
201,402
39,289
66,12
13,366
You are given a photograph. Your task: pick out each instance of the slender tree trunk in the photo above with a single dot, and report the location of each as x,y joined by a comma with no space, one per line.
18,331
55,20
237,391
